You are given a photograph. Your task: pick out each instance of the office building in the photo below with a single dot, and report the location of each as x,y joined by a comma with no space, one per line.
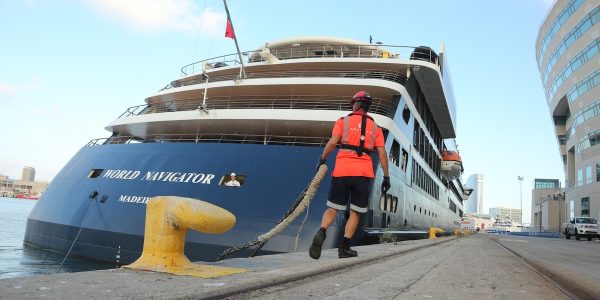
567,53
548,209
28,174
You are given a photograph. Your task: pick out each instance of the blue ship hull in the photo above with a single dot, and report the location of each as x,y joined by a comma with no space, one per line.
126,175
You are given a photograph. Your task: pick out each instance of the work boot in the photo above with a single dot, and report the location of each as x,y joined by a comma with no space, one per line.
346,252
315,248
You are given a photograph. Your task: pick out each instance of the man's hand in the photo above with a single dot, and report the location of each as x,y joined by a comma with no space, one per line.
321,162
385,185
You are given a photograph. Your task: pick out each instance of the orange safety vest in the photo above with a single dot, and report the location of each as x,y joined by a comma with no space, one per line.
351,160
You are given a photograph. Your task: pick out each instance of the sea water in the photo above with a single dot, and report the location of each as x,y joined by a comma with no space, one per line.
17,260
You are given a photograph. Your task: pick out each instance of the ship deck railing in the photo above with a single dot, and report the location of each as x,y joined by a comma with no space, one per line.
380,106
394,76
315,51
214,138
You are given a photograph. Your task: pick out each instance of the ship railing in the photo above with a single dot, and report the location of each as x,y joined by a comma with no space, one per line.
394,76
315,51
214,138
134,111
380,106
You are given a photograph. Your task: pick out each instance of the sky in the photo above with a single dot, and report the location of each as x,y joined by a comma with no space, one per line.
70,67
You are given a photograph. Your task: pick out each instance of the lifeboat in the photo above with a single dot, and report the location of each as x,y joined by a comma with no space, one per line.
452,166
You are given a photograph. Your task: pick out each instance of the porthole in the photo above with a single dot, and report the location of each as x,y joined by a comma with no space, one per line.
95,173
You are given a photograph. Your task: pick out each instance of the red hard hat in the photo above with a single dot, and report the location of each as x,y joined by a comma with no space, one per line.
362,96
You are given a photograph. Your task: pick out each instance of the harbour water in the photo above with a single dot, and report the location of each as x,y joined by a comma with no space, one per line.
17,260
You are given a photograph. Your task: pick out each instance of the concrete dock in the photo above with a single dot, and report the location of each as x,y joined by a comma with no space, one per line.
477,266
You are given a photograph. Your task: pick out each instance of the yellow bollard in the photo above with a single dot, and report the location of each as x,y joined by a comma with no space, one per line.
433,231
167,220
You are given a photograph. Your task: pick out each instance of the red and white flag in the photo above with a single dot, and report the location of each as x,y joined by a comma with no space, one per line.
229,29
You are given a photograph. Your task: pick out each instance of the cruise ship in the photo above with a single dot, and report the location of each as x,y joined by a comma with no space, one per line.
262,118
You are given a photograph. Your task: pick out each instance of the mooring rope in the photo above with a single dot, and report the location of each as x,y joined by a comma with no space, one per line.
295,210
93,196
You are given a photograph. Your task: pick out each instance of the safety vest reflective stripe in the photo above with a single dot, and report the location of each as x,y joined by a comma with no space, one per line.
346,128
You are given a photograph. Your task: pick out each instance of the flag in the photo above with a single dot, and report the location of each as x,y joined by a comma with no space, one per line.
229,30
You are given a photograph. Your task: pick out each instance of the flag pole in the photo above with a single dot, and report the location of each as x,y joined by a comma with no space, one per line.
242,70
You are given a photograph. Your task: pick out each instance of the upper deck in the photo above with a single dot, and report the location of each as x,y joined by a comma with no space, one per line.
310,75
332,58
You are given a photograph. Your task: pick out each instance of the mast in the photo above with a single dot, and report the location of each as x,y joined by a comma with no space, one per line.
242,69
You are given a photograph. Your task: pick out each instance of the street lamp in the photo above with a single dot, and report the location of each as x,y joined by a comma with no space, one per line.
520,178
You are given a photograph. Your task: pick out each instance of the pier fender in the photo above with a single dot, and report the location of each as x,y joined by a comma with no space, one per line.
433,231
167,220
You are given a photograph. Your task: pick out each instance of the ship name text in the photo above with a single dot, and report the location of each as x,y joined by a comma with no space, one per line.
199,178
133,199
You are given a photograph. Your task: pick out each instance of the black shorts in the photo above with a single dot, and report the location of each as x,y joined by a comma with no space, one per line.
355,188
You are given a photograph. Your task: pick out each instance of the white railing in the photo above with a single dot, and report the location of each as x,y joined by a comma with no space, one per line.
214,138
316,51
380,106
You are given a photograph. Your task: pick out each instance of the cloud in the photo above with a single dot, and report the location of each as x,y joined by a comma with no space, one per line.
6,90
157,15
11,90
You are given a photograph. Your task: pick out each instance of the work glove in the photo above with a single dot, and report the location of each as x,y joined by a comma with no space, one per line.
385,185
320,163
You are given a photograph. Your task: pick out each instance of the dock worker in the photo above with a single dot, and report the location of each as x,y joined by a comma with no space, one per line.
232,180
358,135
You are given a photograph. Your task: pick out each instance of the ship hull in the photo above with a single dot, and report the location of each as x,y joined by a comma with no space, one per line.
110,226
126,175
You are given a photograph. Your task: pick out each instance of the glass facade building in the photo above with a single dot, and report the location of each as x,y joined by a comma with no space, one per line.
475,202
546,184
567,53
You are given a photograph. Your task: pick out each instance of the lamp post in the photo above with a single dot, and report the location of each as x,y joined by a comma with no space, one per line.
541,202
520,178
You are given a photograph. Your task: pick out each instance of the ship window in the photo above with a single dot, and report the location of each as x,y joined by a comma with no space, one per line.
388,203
326,52
382,202
404,159
395,153
232,180
95,173
406,114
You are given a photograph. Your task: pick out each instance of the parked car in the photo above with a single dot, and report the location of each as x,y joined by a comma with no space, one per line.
581,227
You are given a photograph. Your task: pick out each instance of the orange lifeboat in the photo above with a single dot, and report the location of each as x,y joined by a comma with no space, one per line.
452,166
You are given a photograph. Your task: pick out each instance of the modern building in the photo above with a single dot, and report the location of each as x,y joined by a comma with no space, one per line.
503,213
475,202
567,53
28,174
548,209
